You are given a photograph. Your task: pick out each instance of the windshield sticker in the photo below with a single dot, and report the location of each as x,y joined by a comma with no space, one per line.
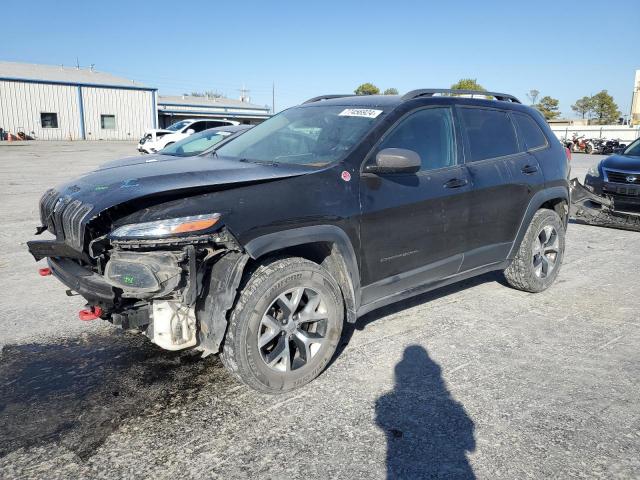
360,112
224,134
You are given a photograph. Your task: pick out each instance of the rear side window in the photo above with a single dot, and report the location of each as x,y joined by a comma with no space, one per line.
529,131
490,133
198,126
427,132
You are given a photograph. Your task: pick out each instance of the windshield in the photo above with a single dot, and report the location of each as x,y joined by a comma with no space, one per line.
178,125
313,136
195,144
633,149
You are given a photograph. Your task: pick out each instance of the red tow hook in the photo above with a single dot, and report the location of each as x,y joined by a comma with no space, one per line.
90,313
46,271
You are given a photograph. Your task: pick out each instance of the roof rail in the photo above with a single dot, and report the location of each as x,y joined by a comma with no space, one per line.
430,92
328,97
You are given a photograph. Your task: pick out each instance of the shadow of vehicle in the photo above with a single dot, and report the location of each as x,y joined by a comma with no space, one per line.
428,432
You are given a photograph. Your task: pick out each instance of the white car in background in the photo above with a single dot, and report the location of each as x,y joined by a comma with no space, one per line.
156,139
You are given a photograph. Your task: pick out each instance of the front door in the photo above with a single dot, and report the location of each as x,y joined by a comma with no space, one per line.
413,225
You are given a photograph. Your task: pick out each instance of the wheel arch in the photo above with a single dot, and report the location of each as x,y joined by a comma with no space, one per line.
327,245
554,198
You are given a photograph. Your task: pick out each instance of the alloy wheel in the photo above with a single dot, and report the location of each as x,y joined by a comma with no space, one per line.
545,251
292,329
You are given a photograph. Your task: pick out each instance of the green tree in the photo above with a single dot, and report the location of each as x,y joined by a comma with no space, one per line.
367,89
548,106
391,91
604,108
583,106
468,84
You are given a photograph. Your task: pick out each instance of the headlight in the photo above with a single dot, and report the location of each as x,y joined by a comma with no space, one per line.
593,172
166,228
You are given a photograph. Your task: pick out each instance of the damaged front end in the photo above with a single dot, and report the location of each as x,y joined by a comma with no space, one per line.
172,279
600,210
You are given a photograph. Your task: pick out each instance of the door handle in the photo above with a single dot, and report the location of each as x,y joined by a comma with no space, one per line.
529,169
456,183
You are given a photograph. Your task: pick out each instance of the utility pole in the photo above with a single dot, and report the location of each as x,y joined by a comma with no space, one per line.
273,98
244,97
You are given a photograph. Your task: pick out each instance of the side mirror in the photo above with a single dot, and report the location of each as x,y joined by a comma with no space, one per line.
190,131
395,160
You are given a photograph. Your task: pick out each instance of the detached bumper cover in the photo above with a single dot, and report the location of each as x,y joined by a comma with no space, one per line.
592,209
90,285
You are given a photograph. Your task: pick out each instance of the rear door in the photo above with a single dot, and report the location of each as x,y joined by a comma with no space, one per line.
504,177
413,225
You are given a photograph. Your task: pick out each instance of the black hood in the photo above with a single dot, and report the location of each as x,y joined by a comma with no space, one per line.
113,185
622,162
138,160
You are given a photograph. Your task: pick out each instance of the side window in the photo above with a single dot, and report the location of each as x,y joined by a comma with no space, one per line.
428,132
490,133
529,131
214,124
198,126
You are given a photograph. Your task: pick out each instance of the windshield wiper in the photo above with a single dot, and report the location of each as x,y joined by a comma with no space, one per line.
260,162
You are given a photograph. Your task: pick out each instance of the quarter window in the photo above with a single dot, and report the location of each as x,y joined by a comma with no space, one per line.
197,126
490,133
49,120
529,131
429,133
108,122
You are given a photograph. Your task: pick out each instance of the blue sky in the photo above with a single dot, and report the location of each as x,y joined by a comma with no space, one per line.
310,48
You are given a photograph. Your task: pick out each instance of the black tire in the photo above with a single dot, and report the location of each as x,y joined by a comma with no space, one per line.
527,271
588,149
261,294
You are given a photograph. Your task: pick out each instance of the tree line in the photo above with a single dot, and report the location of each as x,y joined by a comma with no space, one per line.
599,108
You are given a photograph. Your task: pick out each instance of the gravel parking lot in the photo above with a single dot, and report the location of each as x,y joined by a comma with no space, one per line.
472,380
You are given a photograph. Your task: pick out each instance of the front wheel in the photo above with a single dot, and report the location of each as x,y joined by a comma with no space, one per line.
285,326
538,261
588,149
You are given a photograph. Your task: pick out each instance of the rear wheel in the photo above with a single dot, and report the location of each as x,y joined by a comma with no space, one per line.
538,261
285,327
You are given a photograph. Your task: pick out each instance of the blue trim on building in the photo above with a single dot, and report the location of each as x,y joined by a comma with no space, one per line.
81,111
226,107
77,84
216,114
154,110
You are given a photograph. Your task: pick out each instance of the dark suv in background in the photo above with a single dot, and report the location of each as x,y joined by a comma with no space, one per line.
326,211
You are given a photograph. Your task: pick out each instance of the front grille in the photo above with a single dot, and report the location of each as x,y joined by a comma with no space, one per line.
72,217
63,217
623,177
47,204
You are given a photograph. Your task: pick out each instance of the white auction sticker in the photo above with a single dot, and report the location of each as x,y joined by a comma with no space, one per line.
360,112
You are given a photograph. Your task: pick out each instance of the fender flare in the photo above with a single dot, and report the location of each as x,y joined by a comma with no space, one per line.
538,199
332,234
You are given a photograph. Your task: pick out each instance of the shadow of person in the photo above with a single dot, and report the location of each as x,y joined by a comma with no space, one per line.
428,432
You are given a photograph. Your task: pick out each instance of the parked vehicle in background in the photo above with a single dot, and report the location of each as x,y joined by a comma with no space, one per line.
599,145
196,144
580,144
610,196
613,146
156,139
321,214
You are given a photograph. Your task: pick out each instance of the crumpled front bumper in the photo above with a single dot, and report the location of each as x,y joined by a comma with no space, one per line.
89,284
600,210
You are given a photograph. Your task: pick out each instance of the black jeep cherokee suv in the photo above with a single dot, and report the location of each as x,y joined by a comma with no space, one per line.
326,211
